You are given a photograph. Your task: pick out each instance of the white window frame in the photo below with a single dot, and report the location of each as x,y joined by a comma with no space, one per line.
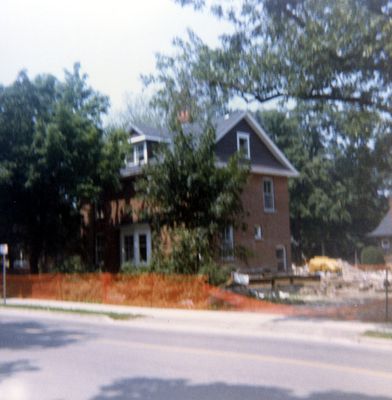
243,135
258,230
133,159
228,244
385,244
281,247
135,230
272,194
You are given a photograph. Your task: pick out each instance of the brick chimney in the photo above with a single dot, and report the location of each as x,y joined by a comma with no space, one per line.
184,116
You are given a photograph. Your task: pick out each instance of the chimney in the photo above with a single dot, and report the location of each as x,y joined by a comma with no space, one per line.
183,116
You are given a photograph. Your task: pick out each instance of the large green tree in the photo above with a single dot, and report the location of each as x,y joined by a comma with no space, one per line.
53,156
335,199
188,193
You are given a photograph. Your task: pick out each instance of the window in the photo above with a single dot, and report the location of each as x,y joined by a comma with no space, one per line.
227,243
139,154
258,232
268,194
243,144
99,249
143,248
385,244
99,211
135,244
281,258
129,249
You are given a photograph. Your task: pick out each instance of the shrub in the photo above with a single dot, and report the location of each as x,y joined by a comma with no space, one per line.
71,265
131,269
217,274
372,255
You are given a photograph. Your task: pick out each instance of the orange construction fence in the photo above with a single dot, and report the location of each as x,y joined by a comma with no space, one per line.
145,290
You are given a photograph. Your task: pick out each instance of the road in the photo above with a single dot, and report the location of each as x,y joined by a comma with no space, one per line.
55,356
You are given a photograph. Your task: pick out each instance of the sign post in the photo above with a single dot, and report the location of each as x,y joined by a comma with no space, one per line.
386,294
4,252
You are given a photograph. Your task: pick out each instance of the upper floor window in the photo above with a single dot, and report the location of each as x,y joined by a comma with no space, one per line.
268,194
243,144
138,155
258,232
227,243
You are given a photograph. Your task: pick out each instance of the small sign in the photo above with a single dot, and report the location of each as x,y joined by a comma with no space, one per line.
4,249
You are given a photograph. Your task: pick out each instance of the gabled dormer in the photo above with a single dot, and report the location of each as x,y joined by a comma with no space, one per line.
144,140
240,132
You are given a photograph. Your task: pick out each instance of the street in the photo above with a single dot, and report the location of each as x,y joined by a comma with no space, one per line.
57,356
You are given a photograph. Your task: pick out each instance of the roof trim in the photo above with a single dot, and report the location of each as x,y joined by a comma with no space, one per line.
142,137
265,170
264,138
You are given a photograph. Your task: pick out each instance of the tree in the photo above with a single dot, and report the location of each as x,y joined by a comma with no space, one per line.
334,201
137,111
329,51
186,192
54,156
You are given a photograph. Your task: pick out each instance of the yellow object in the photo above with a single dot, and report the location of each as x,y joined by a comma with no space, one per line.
324,264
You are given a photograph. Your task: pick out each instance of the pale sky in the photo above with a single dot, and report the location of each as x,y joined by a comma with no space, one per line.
115,41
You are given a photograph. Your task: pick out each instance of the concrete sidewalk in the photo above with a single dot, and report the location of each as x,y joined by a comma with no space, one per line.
230,323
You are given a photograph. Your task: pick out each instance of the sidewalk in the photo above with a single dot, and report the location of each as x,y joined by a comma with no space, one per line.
255,324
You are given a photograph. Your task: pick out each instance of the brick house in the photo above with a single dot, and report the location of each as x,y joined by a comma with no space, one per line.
115,236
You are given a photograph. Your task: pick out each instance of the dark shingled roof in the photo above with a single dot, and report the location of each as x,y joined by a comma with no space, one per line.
384,228
151,130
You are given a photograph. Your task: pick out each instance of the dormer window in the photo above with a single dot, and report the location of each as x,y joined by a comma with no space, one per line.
243,144
138,155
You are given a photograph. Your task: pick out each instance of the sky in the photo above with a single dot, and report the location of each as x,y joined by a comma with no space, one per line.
115,41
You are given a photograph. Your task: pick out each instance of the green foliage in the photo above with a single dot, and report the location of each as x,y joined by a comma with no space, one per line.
187,189
337,52
217,274
193,198
72,265
53,156
190,253
335,199
131,269
372,255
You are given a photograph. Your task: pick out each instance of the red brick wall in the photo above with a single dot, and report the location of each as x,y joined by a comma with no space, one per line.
275,225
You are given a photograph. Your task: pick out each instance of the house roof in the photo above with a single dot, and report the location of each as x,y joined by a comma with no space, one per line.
150,131
384,228
222,126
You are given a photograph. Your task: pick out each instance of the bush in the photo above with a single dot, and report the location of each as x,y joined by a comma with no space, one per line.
372,255
73,265
131,269
217,274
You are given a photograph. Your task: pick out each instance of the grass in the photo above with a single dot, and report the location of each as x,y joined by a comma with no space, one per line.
112,315
379,334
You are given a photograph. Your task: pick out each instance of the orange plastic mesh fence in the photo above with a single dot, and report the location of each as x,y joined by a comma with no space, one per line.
150,290
142,290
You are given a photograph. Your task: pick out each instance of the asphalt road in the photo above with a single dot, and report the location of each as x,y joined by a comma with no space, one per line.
44,356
